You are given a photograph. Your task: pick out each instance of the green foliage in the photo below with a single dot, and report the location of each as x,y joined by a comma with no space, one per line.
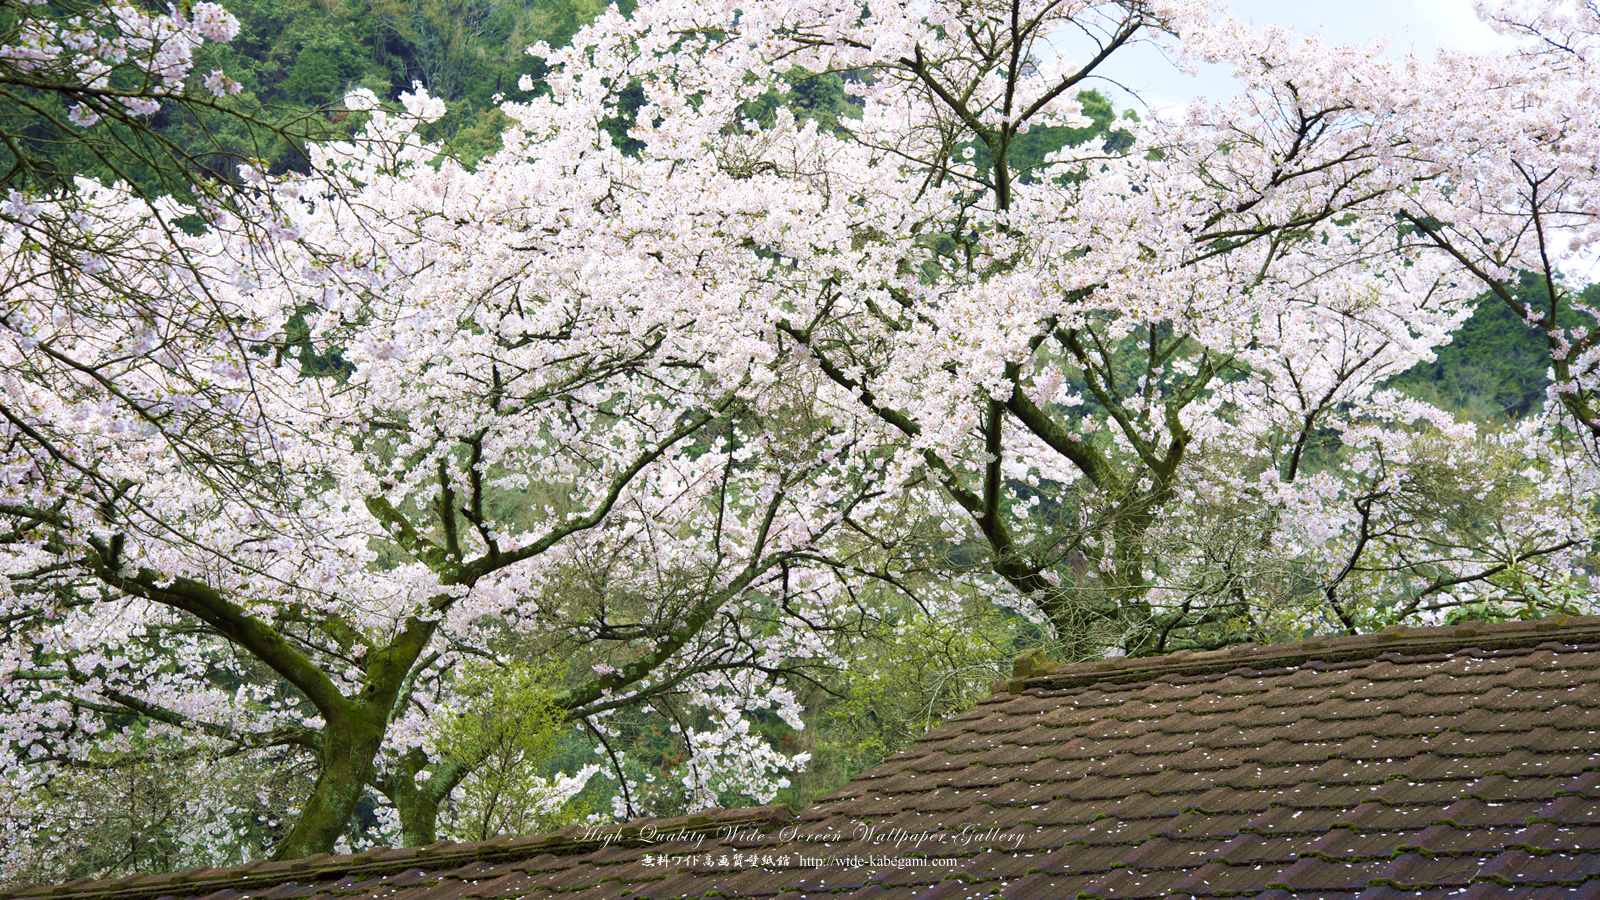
506,729
629,102
476,137
904,680
1498,365
1027,151
326,62
816,97
144,801
296,59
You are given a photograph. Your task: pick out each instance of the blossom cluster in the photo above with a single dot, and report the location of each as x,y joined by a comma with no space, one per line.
114,52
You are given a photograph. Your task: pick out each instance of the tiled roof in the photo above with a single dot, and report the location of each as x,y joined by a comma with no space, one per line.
1413,763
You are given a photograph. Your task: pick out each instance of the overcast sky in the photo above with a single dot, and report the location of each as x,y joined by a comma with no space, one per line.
1411,25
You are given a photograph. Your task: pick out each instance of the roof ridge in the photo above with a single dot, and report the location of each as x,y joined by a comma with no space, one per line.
570,841
1334,648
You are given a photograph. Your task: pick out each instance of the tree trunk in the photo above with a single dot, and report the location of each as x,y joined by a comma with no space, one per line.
419,817
349,751
418,804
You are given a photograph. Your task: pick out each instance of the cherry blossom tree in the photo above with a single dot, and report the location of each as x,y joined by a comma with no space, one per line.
205,540
1088,359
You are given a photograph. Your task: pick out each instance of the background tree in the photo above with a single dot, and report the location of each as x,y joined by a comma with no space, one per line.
281,561
1078,361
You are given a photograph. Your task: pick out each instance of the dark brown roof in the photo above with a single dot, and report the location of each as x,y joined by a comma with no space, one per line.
1419,763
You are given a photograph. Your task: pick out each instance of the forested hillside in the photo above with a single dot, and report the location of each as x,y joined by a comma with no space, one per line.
1496,367
295,60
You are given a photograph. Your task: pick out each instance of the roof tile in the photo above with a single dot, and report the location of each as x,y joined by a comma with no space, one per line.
1315,875
1133,884
1413,871
1451,839
1252,849
1222,879
1350,844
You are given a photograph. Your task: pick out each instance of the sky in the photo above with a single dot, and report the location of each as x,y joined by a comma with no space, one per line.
1411,25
